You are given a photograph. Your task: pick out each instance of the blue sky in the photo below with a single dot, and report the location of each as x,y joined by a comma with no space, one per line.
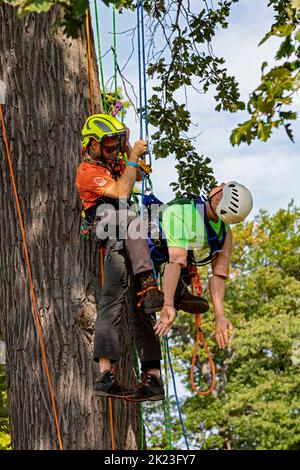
271,170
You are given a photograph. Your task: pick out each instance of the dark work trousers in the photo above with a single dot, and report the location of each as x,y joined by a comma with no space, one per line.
118,263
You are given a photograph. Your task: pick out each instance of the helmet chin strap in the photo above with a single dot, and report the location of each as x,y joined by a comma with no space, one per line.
210,204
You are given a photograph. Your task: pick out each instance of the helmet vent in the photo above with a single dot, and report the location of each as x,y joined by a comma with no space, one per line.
232,185
233,210
234,205
235,199
223,212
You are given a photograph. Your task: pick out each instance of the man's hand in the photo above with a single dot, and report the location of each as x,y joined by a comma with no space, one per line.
223,331
139,149
166,320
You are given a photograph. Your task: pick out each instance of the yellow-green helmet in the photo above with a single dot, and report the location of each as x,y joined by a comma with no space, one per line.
99,126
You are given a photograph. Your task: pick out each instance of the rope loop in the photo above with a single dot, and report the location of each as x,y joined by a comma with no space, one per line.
200,340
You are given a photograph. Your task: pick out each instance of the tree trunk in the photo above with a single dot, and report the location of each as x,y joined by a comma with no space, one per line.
47,103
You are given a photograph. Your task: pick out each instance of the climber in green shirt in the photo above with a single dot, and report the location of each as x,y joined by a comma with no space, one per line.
187,226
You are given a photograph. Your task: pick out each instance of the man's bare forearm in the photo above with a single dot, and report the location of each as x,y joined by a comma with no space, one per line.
124,185
171,276
217,291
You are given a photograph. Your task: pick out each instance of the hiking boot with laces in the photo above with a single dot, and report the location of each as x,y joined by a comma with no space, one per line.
109,386
184,300
151,296
151,388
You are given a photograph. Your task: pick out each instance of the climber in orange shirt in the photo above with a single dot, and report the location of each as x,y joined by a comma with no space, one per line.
103,180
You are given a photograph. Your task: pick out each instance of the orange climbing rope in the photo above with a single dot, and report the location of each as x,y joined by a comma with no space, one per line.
197,288
101,252
90,68
111,420
34,303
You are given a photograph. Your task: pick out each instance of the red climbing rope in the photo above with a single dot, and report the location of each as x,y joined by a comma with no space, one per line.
33,297
197,288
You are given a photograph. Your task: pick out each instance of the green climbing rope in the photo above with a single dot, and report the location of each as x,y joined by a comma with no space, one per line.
115,53
100,59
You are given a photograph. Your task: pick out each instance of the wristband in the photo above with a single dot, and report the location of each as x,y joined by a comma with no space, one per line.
132,164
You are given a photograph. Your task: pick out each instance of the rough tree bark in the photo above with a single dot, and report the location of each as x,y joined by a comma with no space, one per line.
47,102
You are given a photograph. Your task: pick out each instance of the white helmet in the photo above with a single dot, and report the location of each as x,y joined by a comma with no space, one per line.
236,203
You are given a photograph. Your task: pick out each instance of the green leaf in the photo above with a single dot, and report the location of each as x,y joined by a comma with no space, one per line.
297,35
283,30
286,49
263,131
266,37
289,132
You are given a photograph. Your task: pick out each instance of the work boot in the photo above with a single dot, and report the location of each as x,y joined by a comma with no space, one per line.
151,388
151,296
109,386
184,300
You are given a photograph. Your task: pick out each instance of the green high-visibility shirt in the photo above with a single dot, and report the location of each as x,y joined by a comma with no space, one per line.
183,225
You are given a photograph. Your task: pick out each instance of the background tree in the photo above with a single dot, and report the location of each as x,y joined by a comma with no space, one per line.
47,102
256,403
270,105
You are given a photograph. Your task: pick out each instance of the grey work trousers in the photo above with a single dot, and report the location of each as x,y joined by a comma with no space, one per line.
118,263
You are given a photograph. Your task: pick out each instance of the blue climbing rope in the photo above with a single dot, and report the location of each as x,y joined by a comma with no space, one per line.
176,395
145,77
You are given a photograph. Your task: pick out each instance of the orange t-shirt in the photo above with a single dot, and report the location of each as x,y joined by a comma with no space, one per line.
92,182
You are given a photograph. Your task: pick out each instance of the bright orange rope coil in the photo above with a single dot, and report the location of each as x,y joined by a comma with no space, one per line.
197,288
